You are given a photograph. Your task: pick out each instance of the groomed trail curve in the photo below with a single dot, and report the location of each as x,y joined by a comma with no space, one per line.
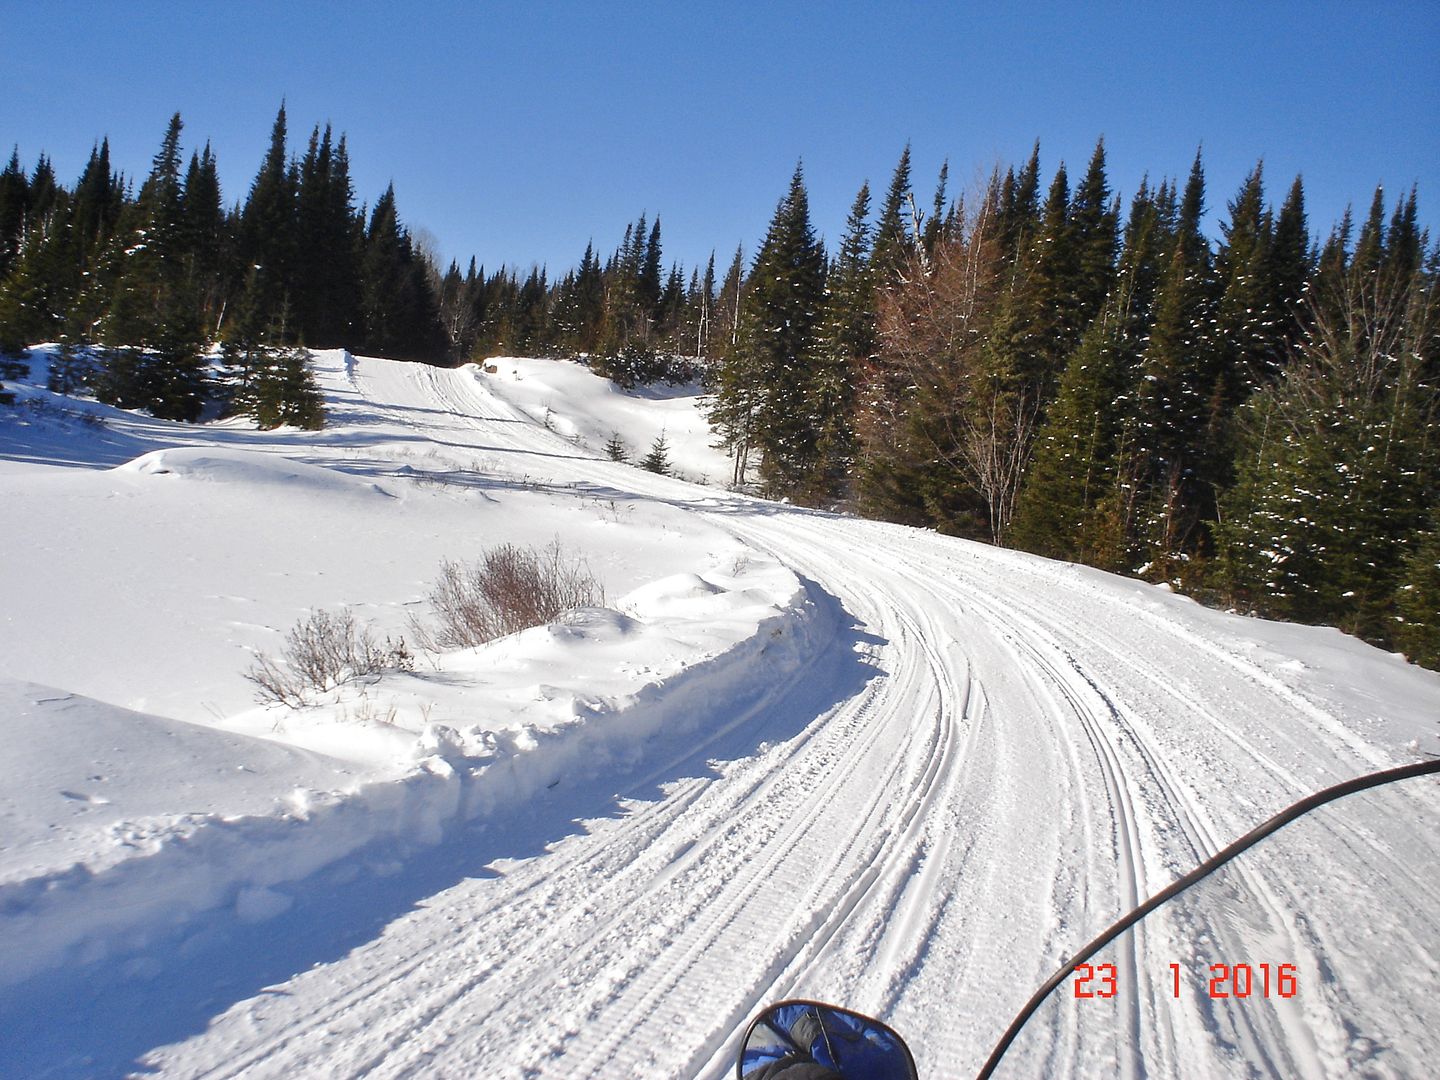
987,759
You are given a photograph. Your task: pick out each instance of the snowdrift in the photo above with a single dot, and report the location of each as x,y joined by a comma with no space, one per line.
684,654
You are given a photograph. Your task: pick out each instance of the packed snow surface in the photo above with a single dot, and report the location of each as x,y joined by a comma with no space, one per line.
786,754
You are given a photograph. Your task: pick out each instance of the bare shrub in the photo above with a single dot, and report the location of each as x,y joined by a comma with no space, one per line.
508,589
323,651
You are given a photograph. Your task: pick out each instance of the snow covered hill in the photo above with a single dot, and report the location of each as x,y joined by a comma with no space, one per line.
791,754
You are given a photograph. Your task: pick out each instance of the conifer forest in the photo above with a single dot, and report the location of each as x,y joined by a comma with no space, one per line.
1249,415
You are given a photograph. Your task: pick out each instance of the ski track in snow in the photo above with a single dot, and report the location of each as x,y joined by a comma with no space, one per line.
988,759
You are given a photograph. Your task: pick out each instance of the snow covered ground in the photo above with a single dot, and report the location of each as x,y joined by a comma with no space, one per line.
791,754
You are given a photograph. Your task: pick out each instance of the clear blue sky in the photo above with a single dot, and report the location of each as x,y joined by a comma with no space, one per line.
518,131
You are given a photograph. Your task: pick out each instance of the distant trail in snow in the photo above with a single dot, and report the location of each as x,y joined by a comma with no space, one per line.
992,758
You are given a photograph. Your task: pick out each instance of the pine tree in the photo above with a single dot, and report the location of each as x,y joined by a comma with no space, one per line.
1340,460
935,227
1178,405
283,391
658,458
615,448
1417,603
1094,235
846,345
1247,326
766,384
268,241
327,276
893,244
401,313
205,239
1291,267
1017,203
14,201
725,327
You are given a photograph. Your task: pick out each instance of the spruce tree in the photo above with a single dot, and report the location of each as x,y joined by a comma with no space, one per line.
725,327
766,386
283,391
327,277
936,225
1094,235
1339,462
1178,402
1019,206
893,244
205,239
657,460
401,313
1417,600
845,347
1248,338
268,241
1291,266
14,201
1076,498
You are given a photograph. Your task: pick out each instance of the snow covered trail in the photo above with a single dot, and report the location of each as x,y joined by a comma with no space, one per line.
986,759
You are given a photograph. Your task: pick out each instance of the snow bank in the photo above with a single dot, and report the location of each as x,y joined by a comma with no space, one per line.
678,656
250,468
586,408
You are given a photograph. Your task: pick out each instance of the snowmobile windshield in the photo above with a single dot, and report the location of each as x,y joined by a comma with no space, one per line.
839,1042
1312,954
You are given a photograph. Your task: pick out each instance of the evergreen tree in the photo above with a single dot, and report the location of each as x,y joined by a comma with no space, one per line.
327,275
846,346
935,227
1077,499
150,275
589,302
893,244
14,202
1178,417
657,460
766,383
725,327
1248,338
648,279
97,207
1019,205
1291,268
70,368
1340,461
615,448
401,313
204,240
1417,602
283,391
268,241
1094,235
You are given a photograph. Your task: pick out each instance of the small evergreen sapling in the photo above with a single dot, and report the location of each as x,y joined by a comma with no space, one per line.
658,459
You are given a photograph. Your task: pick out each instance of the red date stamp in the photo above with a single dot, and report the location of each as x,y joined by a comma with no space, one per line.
1225,980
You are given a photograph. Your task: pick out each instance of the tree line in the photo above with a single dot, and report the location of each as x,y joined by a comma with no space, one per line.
136,284
159,273
1252,420
629,317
